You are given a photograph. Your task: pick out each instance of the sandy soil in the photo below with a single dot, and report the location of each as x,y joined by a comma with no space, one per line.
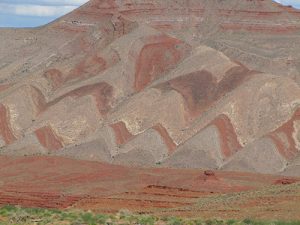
55,182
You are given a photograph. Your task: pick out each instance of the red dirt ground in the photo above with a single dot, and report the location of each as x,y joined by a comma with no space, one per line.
55,182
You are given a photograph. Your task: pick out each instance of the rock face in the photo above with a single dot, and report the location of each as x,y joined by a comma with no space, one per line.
194,84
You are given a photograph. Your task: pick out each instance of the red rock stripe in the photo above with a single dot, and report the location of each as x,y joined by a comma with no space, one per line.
48,138
5,129
287,128
121,133
261,28
102,93
166,137
229,141
158,55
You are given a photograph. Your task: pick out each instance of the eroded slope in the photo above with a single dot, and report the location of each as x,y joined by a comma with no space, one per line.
148,83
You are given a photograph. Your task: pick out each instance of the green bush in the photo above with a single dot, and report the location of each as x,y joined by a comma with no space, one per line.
146,220
174,221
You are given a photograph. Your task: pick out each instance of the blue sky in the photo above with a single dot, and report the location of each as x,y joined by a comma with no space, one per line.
32,13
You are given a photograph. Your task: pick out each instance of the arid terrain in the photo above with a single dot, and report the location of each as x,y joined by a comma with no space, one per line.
167,107
55,182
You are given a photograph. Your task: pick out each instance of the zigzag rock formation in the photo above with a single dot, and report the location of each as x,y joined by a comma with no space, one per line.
190,84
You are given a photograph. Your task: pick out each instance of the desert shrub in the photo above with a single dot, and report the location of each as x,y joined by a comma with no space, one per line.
287,223
231,222
11,215
247,221
198,222
146,220
174,221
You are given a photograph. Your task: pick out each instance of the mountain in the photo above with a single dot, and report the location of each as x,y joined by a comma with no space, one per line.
189,84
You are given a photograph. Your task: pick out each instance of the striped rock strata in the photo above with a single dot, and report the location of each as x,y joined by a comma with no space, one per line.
173,83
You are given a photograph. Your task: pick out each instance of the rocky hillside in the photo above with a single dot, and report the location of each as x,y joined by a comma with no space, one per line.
189,84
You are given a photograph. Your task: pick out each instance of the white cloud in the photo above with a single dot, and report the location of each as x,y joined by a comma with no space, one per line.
286,1
40,8
35,10
295,3
63,2
45,2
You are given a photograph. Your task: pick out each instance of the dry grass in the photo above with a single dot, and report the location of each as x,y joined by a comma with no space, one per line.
31,216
